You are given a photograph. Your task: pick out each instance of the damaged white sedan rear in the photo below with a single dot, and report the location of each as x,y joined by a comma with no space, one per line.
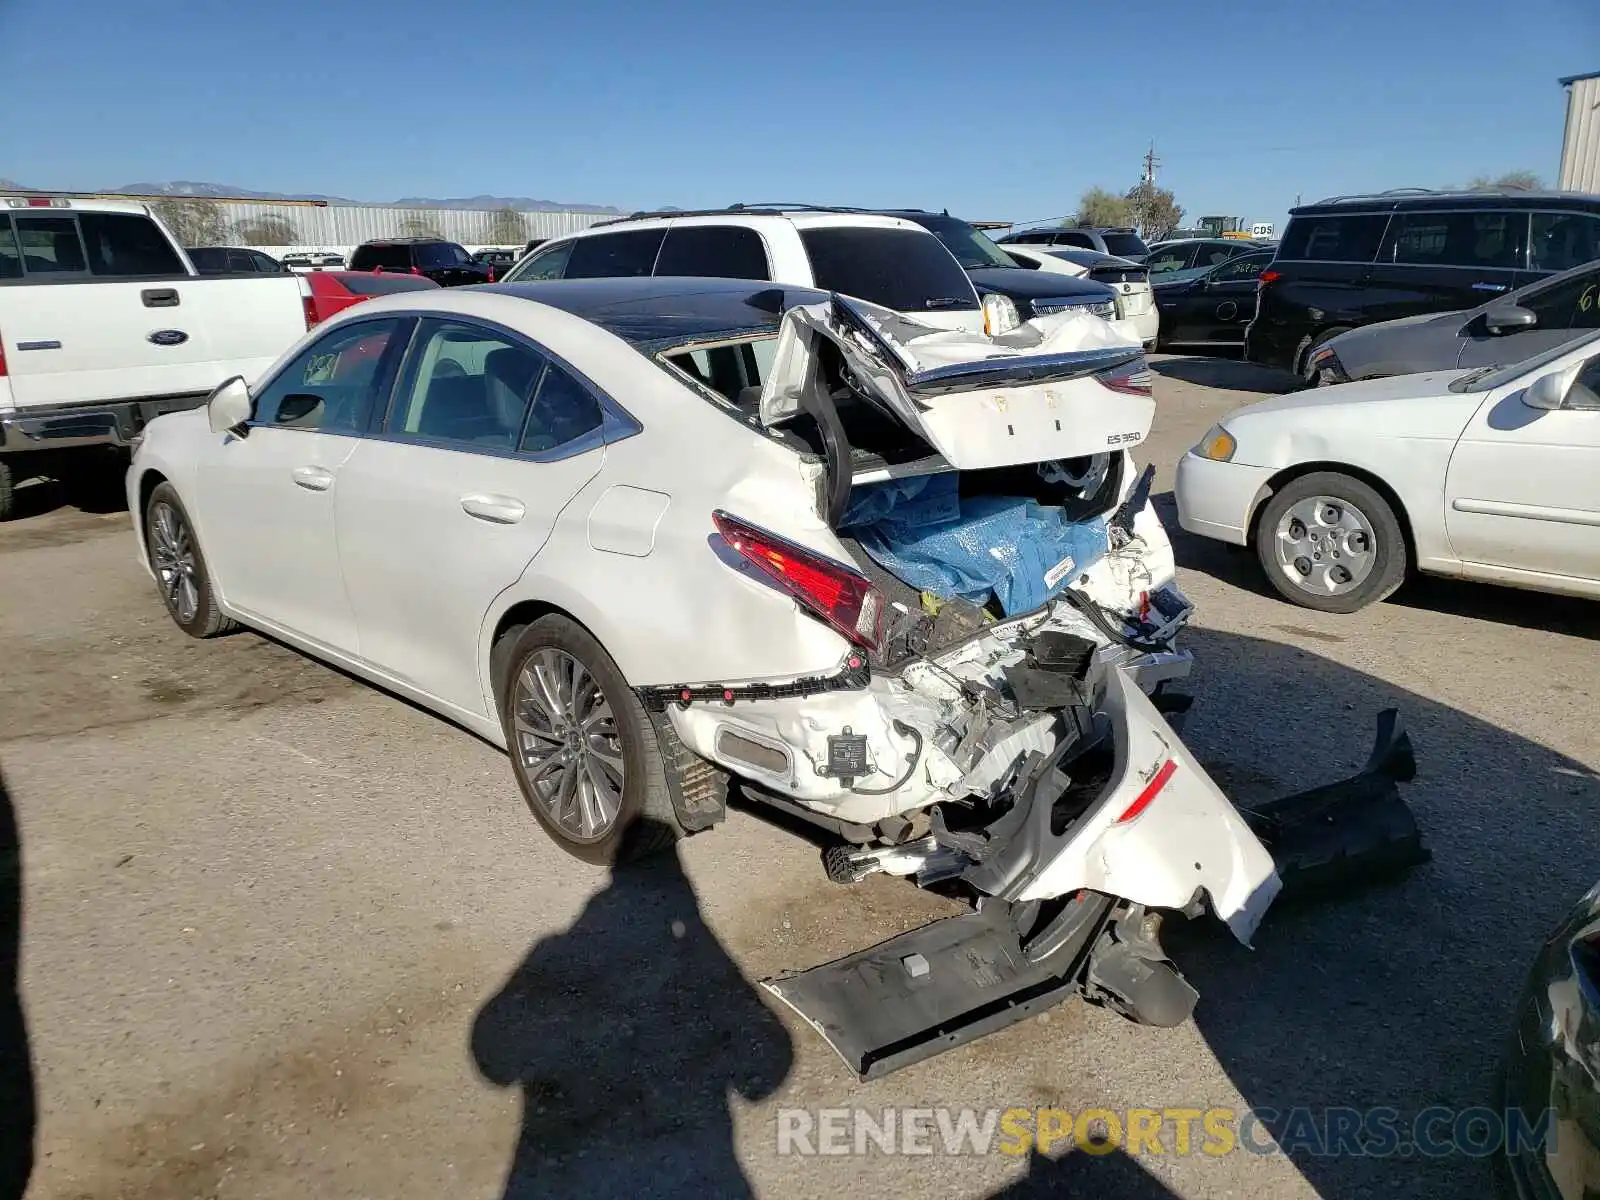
654,536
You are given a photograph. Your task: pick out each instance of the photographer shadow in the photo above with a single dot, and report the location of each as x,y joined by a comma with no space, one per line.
18,1108
628,1034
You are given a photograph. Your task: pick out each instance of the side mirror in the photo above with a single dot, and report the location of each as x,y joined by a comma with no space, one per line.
229,406
1509,318
1549,392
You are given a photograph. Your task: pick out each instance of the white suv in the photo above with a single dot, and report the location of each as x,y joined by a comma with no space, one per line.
887,261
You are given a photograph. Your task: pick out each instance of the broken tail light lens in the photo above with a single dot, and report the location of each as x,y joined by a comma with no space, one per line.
1131,378
841,596
1266,277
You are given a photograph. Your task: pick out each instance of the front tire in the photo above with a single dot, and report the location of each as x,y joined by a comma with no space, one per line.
180,568
1330,542
581,745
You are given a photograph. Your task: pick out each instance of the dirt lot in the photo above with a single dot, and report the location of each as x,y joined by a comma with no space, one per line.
285,935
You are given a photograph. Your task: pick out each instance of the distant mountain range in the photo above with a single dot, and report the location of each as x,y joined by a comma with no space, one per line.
201,191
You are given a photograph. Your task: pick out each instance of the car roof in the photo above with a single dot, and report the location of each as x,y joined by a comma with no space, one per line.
1413,199
801,216
654,312
402,241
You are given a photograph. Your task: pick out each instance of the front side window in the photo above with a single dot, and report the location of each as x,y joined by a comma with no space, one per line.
907,270
469,386
128,245
332,386
1334,237
1456,239
50,246
713,251
627,253
1561,241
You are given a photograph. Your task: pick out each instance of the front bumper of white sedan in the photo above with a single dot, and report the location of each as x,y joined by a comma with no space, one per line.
1217,499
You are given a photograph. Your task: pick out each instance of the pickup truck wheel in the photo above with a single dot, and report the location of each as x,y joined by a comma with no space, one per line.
1330,542
180,568
582,747
7,490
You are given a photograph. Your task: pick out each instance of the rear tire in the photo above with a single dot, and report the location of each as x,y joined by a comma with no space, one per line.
1329,542
7,490
582,747
180,567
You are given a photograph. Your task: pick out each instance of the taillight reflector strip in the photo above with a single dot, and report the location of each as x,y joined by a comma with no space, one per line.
1151,791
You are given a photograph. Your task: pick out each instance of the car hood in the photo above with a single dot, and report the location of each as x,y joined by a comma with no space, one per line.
1024,284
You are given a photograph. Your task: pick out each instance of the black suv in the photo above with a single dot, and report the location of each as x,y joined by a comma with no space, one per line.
991,269
446,263
1120,243
1355,260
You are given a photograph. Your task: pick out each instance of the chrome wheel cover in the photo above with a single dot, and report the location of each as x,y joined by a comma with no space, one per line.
569,744
1325,546
172,557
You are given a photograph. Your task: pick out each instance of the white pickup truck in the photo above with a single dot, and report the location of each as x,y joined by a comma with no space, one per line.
104,325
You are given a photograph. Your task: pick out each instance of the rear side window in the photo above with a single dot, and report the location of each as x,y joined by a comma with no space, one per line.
1456,239
1334,238
1170,258
1246,267
547,264
904,269
390,258
10,256
626,253
126,244
563,411
1126,245
718,251
241,260
209,260
50,246
1071,237
1563,240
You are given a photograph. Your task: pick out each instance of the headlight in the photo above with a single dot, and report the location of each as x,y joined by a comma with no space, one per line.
1217,445
999,314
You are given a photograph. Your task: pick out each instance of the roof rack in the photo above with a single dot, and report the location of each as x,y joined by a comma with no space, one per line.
1406,192
758,206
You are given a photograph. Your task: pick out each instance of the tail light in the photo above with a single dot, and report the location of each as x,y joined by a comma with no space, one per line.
491,272
310,303
1151,790
840,595
416,270
1131,378
1268,276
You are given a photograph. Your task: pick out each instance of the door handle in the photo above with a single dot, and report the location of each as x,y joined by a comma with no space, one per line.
159,297
502,510
313,479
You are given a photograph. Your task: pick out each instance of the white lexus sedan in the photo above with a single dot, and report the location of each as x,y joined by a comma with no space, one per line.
1491,474
650,534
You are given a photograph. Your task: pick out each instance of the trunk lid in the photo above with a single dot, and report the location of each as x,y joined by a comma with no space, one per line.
1038,393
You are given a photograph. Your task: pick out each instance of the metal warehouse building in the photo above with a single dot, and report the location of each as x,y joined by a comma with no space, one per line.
1580,150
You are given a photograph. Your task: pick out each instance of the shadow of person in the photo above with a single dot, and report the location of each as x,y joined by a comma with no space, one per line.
627,1033
17,1106
1396,995
1100,1176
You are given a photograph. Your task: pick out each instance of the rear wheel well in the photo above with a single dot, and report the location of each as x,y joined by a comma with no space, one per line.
1289,474
515,619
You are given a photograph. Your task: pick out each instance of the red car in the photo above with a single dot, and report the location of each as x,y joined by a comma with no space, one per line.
334,291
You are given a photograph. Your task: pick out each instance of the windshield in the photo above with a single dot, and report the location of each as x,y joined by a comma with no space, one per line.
1486,379
972,249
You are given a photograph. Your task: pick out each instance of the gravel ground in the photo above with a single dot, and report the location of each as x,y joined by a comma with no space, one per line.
286,935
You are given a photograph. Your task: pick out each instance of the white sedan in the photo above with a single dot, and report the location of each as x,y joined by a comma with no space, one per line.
1492,474
649,533
1136,302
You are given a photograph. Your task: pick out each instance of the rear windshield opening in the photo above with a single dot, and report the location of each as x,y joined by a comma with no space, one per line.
1125,245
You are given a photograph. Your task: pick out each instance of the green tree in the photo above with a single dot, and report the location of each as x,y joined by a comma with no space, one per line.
1514,181
194,222
274,229
419,227
507,228
1100,207
1154,210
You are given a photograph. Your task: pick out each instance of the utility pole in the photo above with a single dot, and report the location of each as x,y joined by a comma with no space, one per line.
1147,189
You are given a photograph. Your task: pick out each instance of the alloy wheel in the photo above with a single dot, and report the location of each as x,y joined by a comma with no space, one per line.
172,555
569,744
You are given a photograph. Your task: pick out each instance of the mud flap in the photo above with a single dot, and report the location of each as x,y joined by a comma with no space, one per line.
943,985
1343,834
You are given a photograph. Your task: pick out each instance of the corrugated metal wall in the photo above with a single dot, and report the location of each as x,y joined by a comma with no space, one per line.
1580,151
238,223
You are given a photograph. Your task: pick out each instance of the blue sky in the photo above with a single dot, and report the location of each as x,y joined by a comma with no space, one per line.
995,111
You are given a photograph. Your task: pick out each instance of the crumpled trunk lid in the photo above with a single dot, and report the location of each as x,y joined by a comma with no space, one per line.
1035,394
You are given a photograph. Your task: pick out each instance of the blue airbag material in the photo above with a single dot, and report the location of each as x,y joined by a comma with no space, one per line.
1020,552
